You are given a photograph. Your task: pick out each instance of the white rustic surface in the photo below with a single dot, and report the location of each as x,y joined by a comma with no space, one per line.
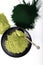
34,57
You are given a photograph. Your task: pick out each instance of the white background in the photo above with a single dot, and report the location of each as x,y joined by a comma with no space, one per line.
34,57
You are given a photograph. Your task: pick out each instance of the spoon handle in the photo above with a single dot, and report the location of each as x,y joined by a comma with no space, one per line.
34,44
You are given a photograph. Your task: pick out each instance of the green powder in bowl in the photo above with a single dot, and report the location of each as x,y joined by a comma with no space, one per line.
16,42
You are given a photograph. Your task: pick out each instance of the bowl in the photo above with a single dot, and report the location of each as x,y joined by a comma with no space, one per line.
4,38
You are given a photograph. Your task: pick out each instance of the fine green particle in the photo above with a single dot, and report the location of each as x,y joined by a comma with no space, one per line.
4,25
16,43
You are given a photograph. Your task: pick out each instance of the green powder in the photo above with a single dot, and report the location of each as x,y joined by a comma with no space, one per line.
24,15
16,42
4,25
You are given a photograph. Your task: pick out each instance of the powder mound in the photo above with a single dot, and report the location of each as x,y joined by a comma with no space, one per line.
24,15
4,25
16,43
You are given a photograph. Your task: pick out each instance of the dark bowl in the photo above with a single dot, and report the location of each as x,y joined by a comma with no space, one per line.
4,37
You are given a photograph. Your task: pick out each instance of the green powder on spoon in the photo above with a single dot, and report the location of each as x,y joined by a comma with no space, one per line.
16,42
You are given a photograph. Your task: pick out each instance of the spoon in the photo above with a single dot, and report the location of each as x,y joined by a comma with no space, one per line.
38,47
